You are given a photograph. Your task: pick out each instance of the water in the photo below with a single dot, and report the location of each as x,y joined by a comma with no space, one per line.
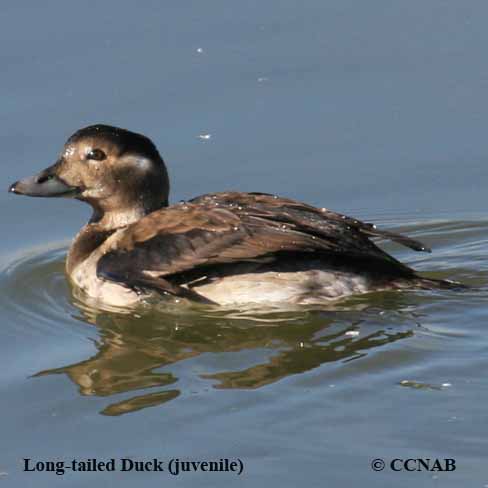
378,111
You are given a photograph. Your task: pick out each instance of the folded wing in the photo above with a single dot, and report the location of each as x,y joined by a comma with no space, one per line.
235,227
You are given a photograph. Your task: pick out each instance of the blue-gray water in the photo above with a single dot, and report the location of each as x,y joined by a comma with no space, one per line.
376,109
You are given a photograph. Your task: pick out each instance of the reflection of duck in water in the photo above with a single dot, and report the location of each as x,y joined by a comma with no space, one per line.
137,361
224,247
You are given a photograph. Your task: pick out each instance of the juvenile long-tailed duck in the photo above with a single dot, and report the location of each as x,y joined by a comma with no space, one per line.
224,248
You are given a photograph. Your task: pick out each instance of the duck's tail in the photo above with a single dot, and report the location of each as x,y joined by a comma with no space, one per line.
432,283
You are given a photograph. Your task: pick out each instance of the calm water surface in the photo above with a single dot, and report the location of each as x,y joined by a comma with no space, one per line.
379,111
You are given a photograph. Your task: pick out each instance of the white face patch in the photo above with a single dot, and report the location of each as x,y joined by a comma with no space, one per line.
144,164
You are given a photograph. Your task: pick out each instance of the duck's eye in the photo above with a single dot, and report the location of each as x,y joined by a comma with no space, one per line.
96,154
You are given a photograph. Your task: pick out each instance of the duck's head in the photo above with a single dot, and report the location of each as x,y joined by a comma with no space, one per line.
118,172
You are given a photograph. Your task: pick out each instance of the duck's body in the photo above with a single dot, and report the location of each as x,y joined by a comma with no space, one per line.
225,248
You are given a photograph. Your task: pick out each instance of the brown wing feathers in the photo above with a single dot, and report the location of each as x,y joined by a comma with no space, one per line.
235,227
277,208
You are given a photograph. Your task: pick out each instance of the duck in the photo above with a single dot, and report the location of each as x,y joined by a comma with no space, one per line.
225,248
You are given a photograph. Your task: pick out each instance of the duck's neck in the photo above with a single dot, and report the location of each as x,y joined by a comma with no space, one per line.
117,219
